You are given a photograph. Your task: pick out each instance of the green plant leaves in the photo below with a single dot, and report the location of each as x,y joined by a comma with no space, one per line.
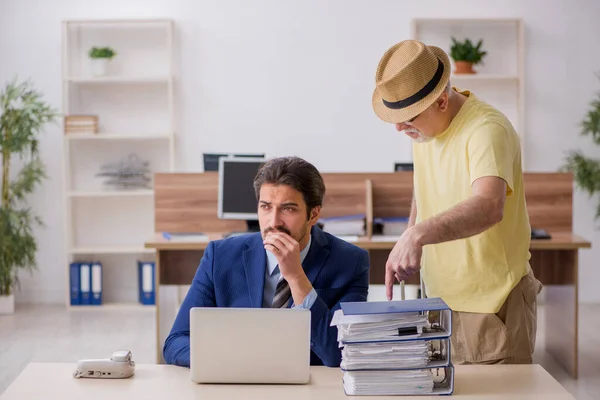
466,51
101,52
30,175
591,124
18,246
23,114
586,171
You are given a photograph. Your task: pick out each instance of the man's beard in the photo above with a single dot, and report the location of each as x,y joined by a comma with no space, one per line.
421,139
303,232
277,229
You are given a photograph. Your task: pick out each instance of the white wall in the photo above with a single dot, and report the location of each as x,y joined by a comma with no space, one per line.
258,76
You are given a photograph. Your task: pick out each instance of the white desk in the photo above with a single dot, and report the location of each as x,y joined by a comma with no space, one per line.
166,382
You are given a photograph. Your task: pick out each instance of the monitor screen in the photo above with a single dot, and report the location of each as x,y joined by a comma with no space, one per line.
211,160
236,191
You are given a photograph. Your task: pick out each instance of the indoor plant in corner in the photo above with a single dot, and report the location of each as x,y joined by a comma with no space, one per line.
23,114
100,57
586,170
465,55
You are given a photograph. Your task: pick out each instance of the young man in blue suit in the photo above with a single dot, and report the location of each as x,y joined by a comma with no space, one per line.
290,263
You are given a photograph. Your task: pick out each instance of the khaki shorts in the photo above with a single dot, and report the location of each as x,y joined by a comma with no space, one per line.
507,337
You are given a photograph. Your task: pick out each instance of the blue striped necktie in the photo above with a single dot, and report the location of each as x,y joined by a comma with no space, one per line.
282,294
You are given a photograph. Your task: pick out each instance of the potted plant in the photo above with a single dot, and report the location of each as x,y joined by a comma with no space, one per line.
465,55
100,57
23,114
586,170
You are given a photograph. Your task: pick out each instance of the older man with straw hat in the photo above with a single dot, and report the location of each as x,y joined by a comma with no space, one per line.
469,231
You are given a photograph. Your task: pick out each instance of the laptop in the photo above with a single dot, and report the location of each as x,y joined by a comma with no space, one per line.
249,345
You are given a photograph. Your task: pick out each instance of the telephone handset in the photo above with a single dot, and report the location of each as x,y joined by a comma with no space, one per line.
119,365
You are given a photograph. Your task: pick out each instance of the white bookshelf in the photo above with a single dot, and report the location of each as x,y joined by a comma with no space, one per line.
134,103
500,81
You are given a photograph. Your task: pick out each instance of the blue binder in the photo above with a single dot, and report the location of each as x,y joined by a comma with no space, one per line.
443,343
387,307
96,283
442,387
443,319
85,283
74,283
146,282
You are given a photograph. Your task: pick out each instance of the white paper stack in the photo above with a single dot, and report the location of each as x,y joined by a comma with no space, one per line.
345,225
385,355
408,382
379,327
391,226
395,348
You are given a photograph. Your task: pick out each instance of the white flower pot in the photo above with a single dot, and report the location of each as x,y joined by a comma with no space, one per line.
7,304
99,66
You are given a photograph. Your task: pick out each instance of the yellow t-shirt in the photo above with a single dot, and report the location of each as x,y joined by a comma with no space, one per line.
474,274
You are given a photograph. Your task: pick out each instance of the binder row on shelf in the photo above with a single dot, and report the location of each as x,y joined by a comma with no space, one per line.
85,279
396,347
86,283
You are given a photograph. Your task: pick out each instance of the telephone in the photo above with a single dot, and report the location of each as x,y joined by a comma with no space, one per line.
119,365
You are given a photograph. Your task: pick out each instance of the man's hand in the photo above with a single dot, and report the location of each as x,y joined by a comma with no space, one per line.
287,252
404,260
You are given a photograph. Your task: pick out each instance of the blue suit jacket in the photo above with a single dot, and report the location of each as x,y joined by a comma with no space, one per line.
232,274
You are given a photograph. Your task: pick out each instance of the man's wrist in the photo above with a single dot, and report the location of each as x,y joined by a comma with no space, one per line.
300,287
417,234
299,282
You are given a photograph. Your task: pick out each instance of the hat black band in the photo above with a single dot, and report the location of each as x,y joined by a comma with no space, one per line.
421,94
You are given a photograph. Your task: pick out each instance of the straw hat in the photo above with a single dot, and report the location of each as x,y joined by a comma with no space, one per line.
410,76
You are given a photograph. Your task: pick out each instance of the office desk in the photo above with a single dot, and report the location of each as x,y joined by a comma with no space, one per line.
55,381
554,261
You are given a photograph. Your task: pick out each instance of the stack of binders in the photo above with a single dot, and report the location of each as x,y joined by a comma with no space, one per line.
396,347
85,280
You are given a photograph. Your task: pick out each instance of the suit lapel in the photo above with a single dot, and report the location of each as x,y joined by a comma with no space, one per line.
315,259
254,266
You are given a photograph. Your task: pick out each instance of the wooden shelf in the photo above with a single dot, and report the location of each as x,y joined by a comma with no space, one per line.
112,193
120,23
114,307
111,250
477,21
119,79
482,77
117,136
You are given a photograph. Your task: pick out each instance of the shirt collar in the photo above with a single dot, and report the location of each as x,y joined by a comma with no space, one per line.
272,260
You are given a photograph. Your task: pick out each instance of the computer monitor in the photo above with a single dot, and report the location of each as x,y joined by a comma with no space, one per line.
403,167
237,199
211,160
